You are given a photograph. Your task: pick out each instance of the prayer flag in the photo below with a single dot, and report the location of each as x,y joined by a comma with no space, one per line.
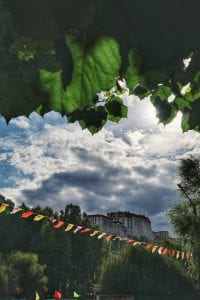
76,295
154,249
148,246
52,220
59,224
165,251
78,228
109,237
102,235
27,214
38,218
86,230
183,255
15,210
130,241
173,252
94,233
117,238
187,256
178,254
160,250
136,243
69,227
3,207
57,295
37,297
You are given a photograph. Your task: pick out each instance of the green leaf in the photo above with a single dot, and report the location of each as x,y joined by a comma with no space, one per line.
51,84
191,118
132,76
93,71
181,103
141,91
116,109
17,97
184,123
163,92
93,119
165,111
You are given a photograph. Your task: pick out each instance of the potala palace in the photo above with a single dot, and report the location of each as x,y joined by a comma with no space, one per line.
127,224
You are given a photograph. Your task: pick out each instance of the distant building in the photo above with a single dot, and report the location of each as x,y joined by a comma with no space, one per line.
124,224
161,235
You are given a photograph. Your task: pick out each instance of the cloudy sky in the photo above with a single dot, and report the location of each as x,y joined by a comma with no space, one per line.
127,166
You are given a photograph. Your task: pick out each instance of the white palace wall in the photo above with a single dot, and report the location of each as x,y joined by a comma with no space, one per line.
124,224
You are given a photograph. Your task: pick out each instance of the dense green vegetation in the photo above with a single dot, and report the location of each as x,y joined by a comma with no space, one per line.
21,273
36,256
58,55
185,215
69,262
137,272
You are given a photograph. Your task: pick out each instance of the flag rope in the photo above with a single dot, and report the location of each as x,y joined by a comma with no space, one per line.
57,223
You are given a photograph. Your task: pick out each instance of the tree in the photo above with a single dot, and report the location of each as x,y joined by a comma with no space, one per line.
72,260
21,274
185,215
3,277
136,272
83,48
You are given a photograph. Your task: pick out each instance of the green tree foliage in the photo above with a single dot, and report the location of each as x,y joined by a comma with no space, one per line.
58,55
136,272
3,277
25,274
185,215
71,260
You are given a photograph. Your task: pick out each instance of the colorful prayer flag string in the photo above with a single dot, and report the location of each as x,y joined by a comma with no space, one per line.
26,214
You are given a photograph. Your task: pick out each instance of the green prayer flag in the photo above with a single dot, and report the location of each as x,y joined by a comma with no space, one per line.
76,295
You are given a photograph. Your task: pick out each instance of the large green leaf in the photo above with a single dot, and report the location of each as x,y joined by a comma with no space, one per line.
132,75
93,71
17,96
109,39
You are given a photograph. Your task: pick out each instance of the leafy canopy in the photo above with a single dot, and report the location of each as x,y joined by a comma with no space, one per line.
185,214
59,55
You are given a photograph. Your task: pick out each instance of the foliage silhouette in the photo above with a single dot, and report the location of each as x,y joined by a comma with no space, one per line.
66,52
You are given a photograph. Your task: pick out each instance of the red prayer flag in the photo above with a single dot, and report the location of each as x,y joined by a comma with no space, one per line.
165,251
57,295
59,224
109,237
173,252
27,214
130,241
148,246
86,230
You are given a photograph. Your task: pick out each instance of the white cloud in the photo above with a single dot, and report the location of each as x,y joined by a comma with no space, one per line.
130,166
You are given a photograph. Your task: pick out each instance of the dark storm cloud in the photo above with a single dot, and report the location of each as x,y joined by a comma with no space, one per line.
101,193
152,199
99,182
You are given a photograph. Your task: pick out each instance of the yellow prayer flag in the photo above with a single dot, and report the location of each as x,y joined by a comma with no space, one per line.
69,227
37,297
177,254
38,218
94,233
3,207
154,249
136,243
